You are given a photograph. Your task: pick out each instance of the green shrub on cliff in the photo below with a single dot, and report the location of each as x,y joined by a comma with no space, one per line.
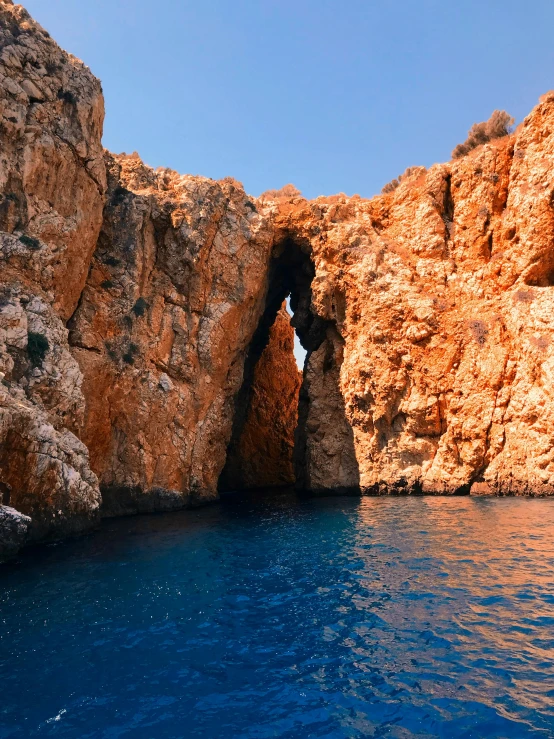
139,308
37,346
30,242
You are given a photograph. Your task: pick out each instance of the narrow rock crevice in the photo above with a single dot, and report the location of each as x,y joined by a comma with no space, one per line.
260,452
311,445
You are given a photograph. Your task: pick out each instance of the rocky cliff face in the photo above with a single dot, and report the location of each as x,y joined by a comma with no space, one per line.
141,356
174,294
442,297
52,182
52,175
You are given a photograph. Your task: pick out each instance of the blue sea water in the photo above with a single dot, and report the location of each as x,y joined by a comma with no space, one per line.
278,617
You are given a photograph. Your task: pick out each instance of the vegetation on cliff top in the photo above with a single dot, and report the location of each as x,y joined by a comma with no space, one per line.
393,184
498,125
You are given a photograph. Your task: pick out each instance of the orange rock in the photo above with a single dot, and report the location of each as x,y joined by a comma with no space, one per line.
52,183
442,293
175,292
132,303
262,455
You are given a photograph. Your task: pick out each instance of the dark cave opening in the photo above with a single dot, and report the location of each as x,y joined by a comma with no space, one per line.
264,451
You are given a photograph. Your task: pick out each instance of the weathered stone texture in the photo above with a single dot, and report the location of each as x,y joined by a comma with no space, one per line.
52,182
263,454
325,454
52,176
131,299
174,295
442,293
13,531
45,470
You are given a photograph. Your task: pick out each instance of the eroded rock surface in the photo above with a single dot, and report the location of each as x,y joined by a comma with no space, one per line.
52,175
262,455
325,454
45,470
442,293
132,302
52,182
13,531
43,465
174,294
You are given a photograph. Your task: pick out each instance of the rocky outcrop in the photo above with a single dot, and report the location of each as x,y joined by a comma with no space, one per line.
46,471
442,296
139,354
325,453
52,175
52,182
42,463
261,452
13,531
174,294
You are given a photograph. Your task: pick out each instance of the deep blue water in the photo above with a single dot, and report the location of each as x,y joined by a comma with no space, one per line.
384,617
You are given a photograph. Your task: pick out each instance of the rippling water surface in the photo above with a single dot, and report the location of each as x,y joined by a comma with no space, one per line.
273,617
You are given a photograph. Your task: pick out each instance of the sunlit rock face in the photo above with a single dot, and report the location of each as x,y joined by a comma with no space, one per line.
132,300
174,294
261,452
442,295
52,174
52,182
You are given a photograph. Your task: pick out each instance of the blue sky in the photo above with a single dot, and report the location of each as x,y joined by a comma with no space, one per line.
330,96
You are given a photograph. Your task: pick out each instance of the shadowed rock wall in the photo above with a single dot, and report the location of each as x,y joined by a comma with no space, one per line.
325,454
262,455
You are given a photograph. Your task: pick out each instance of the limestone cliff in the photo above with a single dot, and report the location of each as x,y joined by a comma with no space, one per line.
441,295
142,348
174,294
52,182
52,175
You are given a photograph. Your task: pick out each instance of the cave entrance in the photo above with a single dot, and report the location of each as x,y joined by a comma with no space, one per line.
265,450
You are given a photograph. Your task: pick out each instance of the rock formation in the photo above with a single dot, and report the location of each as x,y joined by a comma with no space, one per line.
13,531
144,357
173,296
52,183
261,451
442,296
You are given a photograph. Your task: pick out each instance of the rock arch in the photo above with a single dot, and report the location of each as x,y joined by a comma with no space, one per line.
287,431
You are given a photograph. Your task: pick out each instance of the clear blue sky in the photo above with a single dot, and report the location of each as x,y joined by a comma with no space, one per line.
332,96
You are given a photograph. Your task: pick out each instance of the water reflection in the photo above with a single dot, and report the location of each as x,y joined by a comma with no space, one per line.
280,617
476,575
